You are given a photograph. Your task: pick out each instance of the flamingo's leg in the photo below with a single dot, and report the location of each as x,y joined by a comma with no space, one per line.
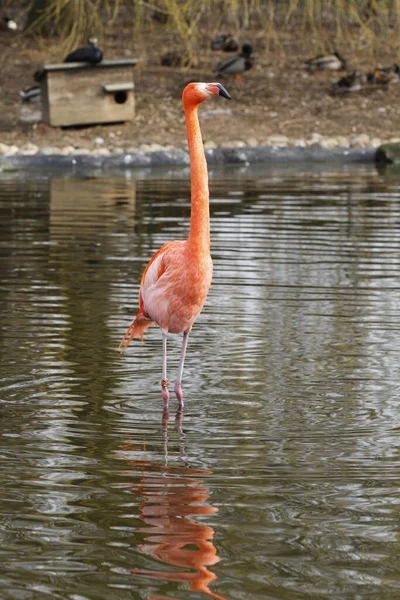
178,384
164,381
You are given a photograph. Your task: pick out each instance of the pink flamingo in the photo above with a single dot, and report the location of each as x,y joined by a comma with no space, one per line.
175,283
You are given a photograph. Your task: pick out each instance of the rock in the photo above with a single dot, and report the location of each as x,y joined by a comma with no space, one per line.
29,149
277,140
376,142
82,151
252,142
299,143
360,141
49,150
100,152
342,141
209,145
13,149
4,149
237,144
328,143
99,141
156,147
314,139
388,153
67,150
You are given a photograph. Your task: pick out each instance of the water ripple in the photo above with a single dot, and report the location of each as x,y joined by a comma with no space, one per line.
281,478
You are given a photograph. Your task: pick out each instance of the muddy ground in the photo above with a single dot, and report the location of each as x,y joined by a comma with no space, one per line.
276,98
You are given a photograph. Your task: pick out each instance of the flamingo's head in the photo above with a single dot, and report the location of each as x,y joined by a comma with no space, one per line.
194,93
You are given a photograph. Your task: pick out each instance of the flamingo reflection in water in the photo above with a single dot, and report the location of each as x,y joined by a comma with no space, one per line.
171,501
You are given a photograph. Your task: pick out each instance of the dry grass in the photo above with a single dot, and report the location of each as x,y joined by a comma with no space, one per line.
323,24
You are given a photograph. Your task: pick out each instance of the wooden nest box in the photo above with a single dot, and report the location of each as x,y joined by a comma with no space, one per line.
84,94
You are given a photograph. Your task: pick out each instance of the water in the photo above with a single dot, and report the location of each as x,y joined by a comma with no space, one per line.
281,478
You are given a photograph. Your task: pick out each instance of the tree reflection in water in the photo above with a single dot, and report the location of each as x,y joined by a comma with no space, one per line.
172,498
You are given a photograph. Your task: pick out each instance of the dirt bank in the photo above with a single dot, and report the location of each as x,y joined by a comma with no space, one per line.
276,99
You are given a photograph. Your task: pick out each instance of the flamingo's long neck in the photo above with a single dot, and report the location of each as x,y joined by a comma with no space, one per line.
199,235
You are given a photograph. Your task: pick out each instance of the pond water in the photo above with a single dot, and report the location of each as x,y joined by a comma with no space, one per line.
281,478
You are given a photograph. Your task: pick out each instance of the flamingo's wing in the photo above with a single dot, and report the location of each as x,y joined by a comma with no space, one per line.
152,273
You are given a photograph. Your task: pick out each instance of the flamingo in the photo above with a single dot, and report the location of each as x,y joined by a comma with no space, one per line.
175,283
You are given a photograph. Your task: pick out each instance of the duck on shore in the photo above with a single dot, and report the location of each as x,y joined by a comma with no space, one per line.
225,42
30,94
237,64
328,62
7,24
347,84
175,59
384,75
89,54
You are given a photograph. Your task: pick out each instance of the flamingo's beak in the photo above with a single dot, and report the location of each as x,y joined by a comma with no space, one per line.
222,91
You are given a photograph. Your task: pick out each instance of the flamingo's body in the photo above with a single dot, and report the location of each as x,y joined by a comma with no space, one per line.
175,283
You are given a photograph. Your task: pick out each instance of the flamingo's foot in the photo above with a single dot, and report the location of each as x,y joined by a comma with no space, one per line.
179,393
164,390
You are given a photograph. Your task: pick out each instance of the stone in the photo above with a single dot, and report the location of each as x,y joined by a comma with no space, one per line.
328,143
29,149
342,141
13,149
68,150
4,149
376,142
156,147
210,144
100,152
49,150
237,144
360,141
314,139
277,140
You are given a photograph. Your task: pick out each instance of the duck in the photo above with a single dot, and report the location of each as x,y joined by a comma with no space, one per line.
160,16
7,24
383,75
88,54
234,65
174,59
327,62
31,94
349,83
225,42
